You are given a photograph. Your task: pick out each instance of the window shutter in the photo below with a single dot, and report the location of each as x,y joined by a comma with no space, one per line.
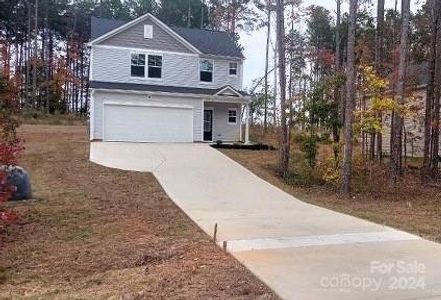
148,31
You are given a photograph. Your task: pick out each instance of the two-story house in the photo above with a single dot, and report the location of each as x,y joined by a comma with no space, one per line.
151,82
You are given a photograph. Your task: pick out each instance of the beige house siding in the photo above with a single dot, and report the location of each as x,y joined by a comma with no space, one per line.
414,127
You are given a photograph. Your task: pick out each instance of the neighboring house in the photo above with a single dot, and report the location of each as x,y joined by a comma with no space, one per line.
154,83
413,134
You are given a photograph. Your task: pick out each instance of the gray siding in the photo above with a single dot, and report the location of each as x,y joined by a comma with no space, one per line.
99,97
134,37
221,129
112,64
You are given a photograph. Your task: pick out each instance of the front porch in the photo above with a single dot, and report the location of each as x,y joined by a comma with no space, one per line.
226,121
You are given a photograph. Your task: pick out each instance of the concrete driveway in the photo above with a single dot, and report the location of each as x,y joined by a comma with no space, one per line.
299,250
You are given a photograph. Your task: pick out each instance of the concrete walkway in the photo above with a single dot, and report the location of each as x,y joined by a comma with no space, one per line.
301,251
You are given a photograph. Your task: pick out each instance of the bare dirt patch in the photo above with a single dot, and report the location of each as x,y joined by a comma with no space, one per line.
95,232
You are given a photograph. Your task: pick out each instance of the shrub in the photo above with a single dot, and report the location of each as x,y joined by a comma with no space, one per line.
310,147
10,144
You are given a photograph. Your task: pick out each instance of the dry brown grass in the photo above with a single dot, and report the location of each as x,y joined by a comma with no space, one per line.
95,232
410,206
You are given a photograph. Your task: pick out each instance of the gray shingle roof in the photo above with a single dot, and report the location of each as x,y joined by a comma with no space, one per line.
207,41
210,42
155,88
100,26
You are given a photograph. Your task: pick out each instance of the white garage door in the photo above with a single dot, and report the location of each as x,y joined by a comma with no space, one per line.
147,123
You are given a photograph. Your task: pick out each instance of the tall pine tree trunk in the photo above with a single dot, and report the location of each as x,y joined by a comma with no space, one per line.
430,98
338,62
379,60
27,58
276,69
437,99
284,143
337,91
35,57
268,34
350,100
397,129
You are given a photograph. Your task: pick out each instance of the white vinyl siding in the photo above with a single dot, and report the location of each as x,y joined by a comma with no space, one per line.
101,97
222,130
112,64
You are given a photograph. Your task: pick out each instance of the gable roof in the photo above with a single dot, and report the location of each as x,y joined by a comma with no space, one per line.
228,90
207,42
138,20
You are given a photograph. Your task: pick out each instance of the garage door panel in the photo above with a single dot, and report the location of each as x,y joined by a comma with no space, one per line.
147,123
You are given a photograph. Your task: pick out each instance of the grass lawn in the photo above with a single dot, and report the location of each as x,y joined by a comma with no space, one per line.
410,207
95,232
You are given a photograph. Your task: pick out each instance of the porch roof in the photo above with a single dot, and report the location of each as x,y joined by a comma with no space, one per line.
167,89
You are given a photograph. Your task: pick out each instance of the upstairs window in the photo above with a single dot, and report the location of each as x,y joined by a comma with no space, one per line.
233,69
206,70
155,66
137,65
232,116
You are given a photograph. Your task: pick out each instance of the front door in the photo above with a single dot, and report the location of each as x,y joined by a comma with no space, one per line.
208,125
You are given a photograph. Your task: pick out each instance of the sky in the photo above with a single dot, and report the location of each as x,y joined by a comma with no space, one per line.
254,43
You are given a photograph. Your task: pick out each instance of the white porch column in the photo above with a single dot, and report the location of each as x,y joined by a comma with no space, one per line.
247,124
242,112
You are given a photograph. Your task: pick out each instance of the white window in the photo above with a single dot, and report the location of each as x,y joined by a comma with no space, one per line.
155,66
232,116
148,31
137,65
206,70
233,69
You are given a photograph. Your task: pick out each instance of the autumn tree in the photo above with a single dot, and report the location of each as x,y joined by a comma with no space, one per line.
320,33
10,143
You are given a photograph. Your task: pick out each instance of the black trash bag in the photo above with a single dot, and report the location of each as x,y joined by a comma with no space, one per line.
18,178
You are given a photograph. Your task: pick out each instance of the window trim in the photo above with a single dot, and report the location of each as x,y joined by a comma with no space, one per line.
147,67
212,72
228,116
237,69
137,77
